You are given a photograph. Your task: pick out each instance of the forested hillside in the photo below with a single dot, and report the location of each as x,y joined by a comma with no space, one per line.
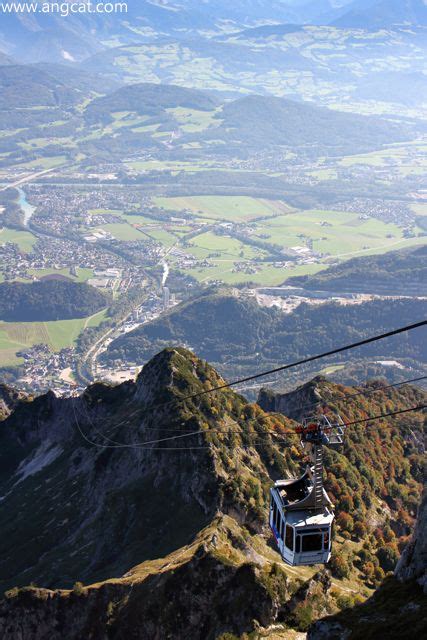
49,300
240,336
147,99
264,121
25,87
403,272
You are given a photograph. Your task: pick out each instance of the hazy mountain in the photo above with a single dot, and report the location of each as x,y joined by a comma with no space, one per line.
79,78
364,14
54,37
25,86
149,99
50,37
47,37
261,121
4,59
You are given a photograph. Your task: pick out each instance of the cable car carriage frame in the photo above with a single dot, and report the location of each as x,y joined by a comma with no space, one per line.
301,514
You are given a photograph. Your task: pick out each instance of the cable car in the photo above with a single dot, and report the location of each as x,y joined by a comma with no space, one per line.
301,513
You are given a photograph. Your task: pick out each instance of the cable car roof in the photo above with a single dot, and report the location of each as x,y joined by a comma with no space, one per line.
302,519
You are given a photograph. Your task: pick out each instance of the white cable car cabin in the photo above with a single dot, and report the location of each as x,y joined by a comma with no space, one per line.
303,535
301,514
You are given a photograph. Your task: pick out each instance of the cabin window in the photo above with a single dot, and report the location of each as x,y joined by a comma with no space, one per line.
289,539
273,519
277,523
282,528
298,544
312,542
326,540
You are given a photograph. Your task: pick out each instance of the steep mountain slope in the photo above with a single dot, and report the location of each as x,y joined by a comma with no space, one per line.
195,518
9,399
162,497
413,562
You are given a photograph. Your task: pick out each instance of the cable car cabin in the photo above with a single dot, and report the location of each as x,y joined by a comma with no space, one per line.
301,514
303,536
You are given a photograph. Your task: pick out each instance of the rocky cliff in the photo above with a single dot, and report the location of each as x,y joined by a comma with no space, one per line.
413,562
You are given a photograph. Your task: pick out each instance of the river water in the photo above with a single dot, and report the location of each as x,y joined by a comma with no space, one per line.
26,207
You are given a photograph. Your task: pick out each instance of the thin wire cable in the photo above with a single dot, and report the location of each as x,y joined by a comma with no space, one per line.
281,368
297,363
359,393
143,445
257,443
420,407
191,432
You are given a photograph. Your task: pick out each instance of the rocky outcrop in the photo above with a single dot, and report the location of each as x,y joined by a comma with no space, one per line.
123,474
9,399
413,562
296,403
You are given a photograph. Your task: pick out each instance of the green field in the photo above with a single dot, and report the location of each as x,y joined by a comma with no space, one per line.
94,212
268,275
334,232
230,208
420,208
44,163
59,334
123,231
406,158
166,165
194,120
141,219
24,239
207,243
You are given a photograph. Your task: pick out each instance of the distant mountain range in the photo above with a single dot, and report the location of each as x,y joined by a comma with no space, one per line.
52,37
